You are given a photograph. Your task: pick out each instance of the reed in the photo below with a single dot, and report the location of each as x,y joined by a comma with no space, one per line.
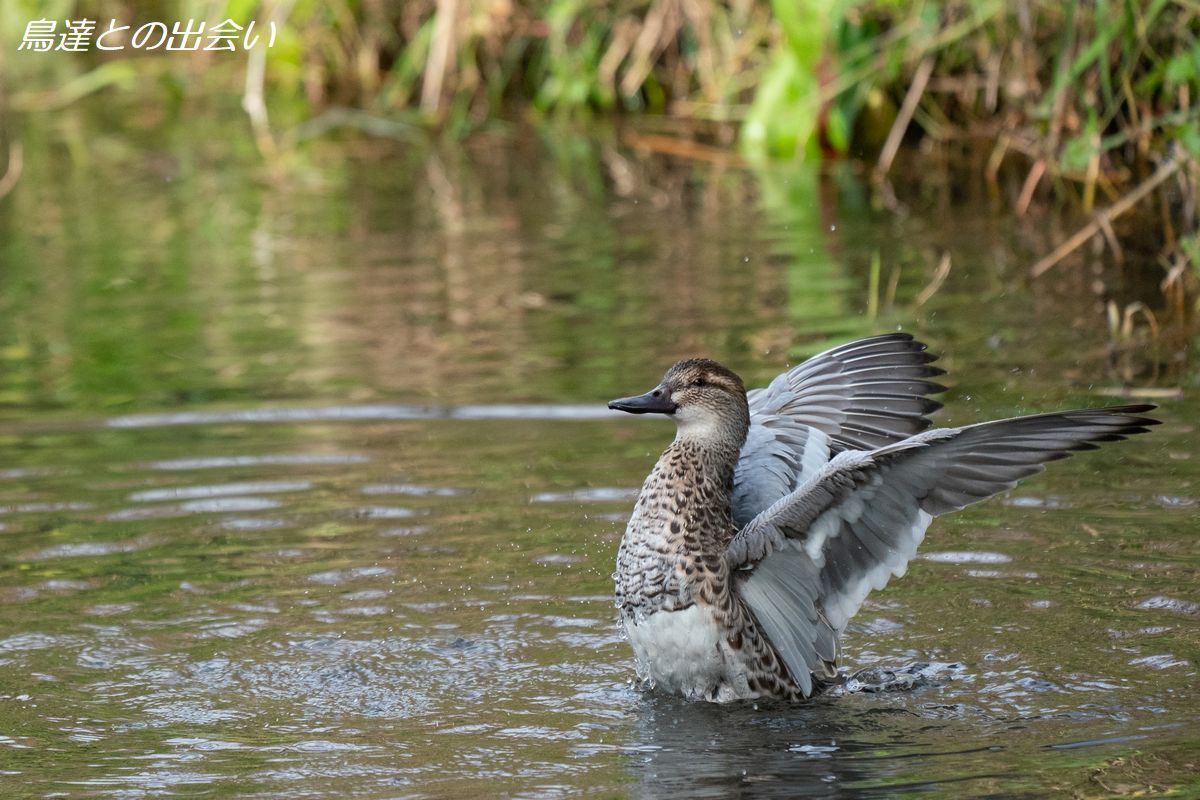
1087,100
1091,90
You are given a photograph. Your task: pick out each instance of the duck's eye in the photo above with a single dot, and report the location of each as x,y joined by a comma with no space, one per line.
699,382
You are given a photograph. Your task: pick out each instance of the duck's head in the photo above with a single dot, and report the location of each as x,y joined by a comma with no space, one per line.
706,400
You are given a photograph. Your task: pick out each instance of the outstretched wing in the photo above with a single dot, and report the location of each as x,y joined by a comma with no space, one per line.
859,396
808,562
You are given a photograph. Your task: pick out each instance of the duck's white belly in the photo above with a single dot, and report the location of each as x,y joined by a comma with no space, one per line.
681,651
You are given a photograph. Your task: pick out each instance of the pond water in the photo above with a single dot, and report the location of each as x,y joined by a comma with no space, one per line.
308,487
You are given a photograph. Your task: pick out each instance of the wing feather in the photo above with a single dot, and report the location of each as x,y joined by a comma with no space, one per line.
861,395
857,521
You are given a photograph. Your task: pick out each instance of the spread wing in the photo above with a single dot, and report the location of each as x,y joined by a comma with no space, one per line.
859,396
807,563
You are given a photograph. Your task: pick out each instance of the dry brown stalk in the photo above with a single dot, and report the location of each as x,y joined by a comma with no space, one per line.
1031,181
439,55
681,147
939,277
12,172
907,109
1168,168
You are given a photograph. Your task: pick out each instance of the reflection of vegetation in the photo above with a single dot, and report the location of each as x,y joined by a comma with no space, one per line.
1081,101
201,285
113,303
816,294
582,268
186,292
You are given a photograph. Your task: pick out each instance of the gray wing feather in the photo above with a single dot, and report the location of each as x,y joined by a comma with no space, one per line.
858,396
858,521
778,452
863,395
788,612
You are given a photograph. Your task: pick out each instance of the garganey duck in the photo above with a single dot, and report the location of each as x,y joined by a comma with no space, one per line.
774,512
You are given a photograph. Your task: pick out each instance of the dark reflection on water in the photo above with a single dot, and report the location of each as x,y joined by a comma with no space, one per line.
828,748
313,492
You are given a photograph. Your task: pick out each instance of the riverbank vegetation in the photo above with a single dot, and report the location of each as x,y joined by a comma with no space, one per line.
1091,106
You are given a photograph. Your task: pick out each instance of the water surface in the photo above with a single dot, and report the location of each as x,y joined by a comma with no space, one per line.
308,487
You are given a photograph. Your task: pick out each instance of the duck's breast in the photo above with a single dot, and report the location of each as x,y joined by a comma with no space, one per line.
680,651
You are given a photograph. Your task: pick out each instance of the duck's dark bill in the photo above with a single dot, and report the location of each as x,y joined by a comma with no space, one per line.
656,401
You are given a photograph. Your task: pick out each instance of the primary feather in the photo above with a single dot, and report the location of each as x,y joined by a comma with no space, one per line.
810,559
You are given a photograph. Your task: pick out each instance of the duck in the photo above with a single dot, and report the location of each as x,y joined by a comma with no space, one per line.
773,513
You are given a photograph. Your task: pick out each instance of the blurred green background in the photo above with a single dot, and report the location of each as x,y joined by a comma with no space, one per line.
1076,114
1113,81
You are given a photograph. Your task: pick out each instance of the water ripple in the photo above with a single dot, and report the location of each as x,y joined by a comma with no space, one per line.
37,508
78,549
219,490
413,490
602,494
355,413
207,506
1170,604
283,459
965,557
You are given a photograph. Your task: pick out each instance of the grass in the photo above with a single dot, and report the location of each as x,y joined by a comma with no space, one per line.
1085,101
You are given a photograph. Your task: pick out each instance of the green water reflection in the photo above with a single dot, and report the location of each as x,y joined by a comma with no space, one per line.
391,604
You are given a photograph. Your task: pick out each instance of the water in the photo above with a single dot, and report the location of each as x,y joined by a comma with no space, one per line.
308,487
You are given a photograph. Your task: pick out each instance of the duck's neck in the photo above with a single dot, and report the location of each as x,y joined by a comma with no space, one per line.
714,446
697,474
705,460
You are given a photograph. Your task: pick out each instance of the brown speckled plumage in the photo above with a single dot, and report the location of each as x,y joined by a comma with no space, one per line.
672,555
834,479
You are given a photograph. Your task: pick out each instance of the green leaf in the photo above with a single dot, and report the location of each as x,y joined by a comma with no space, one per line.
837,129
1081,149
1183,67
1188,137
